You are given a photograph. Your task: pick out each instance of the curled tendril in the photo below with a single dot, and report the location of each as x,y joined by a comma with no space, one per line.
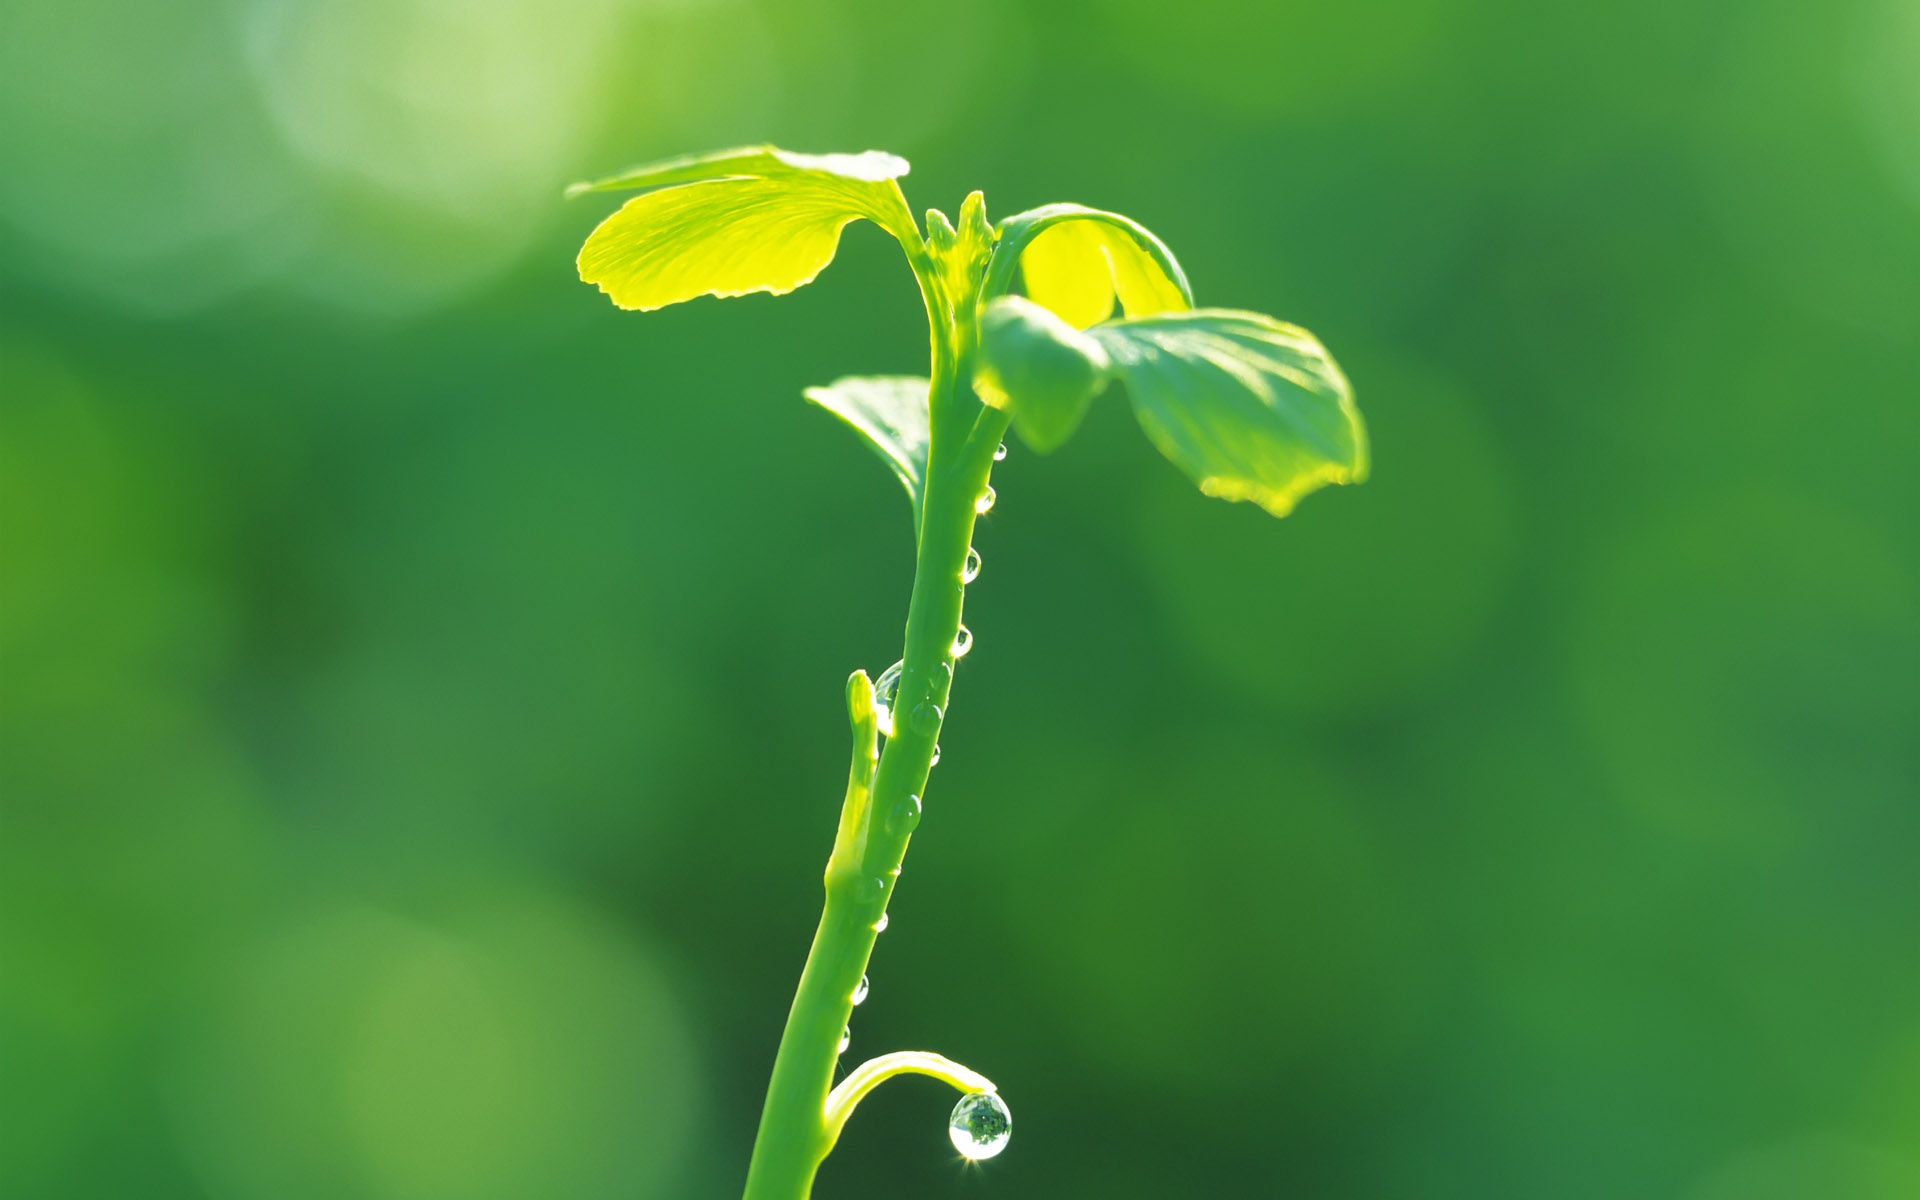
876,1071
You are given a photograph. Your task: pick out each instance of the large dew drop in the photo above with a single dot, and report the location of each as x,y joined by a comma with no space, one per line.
980,1126
904,817
962,642
883,690
984,504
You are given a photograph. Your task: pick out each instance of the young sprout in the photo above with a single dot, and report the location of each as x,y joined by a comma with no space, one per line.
1250,407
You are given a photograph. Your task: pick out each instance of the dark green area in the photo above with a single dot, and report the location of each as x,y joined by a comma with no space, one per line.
421,720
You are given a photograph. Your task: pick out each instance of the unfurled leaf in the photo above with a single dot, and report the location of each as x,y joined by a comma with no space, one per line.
890,412
1043,371
1250,407
1077,260
740,221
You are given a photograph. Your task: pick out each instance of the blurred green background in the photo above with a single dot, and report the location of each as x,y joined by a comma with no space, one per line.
420,684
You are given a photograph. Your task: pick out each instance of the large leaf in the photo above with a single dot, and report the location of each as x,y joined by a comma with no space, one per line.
739,221
1250,407
890,413
1043,371
1077,261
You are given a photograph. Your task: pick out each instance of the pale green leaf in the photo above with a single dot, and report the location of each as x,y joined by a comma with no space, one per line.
1040,369
890,413
760,162
740,221
1250,407
1077,261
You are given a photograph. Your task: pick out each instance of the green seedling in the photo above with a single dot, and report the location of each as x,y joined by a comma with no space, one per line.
1250,407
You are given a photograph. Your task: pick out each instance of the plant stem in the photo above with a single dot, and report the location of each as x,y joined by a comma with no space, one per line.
795,1135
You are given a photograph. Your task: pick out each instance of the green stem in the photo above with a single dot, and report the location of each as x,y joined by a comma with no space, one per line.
795,1130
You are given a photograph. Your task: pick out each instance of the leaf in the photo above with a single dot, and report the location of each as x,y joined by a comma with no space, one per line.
890,412
1043,371
738,221
761,162
1250,407
1077,261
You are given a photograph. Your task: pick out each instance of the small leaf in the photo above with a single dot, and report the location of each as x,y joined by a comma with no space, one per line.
1250,407
890,412
1039,368
740,221
1077,260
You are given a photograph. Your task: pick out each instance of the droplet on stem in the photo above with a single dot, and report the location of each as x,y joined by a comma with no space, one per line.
971,571
980,1126
880,926
962,642
904,817
860,992
926,718
984,504
1000,452
846,1039
883,690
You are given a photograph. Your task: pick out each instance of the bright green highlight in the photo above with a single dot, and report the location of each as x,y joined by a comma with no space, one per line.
1251,408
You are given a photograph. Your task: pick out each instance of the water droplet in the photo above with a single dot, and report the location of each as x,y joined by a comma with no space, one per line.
984,504
971,571
904,817
1000,452
926,718
980,1126
880,926
883,690
860,992
846,1039
935,760
962,642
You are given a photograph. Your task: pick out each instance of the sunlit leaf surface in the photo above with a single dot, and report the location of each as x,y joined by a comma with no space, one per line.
1080,259
740,221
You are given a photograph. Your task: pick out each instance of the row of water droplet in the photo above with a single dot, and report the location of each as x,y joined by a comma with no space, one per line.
981,1123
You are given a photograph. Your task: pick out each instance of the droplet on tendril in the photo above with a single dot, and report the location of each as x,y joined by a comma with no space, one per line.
883,690
1000,452
903,818
926,718
984,504
971,571
846,1039
980,1126
962,642
860,992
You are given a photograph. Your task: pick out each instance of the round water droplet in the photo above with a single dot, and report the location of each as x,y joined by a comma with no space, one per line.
904,817
971,571
846,1039
880,926
935,760
926,718
962,642
883,690
984,504
860,992
1000,452
980,1126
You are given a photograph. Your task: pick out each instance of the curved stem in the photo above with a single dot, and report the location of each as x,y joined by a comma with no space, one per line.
875,1071
795,1134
